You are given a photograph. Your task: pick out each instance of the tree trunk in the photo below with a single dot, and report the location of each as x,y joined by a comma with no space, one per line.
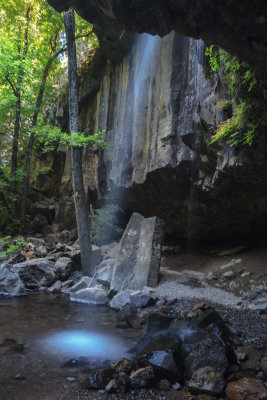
38,104
27,167
82,216
17,92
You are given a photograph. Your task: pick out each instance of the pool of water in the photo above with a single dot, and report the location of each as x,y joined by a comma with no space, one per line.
60,339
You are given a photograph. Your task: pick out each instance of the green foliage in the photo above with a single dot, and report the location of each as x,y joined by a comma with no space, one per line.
50,137
233,68
224,105
10,246
237,130
103,223
242,127
32,54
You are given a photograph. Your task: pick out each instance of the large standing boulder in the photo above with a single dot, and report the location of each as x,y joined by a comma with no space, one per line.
35,273
10,282
138,258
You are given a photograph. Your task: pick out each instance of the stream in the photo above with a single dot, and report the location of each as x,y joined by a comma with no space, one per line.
54,342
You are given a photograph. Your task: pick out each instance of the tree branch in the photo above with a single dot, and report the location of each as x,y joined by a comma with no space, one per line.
12,85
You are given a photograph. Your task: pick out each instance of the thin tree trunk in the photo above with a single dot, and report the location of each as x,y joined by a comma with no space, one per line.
38,104
82,216
17,92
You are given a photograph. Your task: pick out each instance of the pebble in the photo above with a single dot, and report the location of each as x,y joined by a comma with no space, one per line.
228,274
19,377
245,274
177,386
71,379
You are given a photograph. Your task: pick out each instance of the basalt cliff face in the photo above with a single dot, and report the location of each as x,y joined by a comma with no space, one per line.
159,106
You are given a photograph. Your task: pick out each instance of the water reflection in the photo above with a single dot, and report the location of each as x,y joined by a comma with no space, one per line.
82,343
53,331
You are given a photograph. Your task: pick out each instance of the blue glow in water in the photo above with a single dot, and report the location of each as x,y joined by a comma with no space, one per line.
80,343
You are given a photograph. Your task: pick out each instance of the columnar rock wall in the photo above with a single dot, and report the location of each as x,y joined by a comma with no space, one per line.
159,106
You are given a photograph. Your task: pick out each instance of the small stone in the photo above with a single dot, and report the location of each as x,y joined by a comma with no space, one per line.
71,379
199,306
211,276
142,378
164,384
19,377
228,274
123,365
191,315
232,285
245,274
177,386
207,380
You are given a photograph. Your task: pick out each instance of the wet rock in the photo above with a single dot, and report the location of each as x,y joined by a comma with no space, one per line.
139,299
104,272
231,263
66,285
206,318
256,299
98,379
75,255
259,306
109,251
142,299
83,283
163,353
164,384
129,314
56,287
19,377
41,251
246,389
72,363
203,350
138,259
35,273
10,281
228,274
120,299
71,379
207,380
142,378
119,384
123,365
177,386
37,242
63,268
38,222
64,236
94,296
158,321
